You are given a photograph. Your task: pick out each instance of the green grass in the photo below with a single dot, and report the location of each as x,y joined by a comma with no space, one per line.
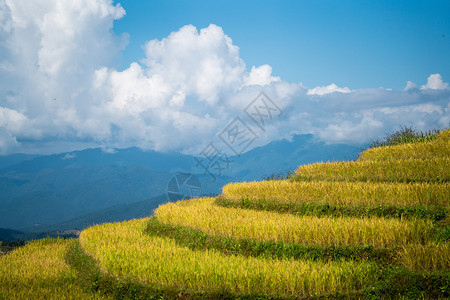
399,283
406,135
324,209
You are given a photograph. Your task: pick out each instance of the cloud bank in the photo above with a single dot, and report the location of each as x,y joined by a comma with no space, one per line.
59,89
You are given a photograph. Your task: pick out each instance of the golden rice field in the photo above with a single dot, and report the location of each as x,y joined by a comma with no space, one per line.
428,257
433,169
410,256
342,193
124,250
239,223
39,271
440,147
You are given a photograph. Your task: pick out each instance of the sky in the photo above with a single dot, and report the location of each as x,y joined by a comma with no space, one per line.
176,75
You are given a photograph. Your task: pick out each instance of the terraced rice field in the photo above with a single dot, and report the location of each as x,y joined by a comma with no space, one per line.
440,147
404,170
342,193
373,228
310,230
40,271
125,251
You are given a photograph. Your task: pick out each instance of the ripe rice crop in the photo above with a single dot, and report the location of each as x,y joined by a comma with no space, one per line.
440,147
39,271
407,170
124,250
198,240
239,223
429,257
342,193
434,213
406,135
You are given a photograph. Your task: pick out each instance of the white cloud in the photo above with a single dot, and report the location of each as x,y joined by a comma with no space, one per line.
435,82
8,143
69,156
323,90
109,150
410,85
16,123
261,76
49,53
368,124
202,63
60,90
190,86
350,131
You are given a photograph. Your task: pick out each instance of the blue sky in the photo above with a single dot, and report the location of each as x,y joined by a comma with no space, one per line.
172,75
359,44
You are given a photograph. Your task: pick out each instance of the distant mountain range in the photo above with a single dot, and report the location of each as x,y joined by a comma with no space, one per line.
77,189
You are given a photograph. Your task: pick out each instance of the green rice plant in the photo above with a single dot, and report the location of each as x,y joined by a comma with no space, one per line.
324,209
407,170
400,283
203,215
39,271
124,250
342,193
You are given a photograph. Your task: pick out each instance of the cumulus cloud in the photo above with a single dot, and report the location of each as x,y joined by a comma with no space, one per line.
60,90
261,76
8,143
50,51
410,85
323,90
204,63
435,82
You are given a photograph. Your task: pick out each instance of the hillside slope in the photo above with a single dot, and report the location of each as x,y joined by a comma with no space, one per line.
374,228
51,189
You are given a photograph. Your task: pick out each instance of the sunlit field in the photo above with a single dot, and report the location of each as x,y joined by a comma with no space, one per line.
125,251
270,226
39,271
342,193
374,228
404,170
222,150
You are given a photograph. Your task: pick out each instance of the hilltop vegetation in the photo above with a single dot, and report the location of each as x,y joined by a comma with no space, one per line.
377,227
